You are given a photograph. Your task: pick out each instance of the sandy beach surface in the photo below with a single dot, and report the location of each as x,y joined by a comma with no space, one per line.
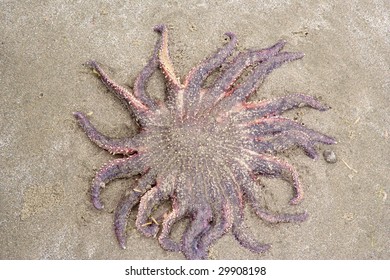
47,163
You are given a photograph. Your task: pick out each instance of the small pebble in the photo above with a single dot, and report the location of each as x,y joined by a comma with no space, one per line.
330,156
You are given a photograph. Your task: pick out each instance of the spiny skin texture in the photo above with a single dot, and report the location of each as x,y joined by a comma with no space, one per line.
203,148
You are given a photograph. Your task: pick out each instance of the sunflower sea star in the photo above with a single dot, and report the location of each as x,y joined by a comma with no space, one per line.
203,148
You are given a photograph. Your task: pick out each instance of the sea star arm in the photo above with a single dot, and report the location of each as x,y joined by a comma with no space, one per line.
259,109
199,223
121,92
154,197
284,141
274,125
117,168
198,75
222,222
247,186
139,88
165,60
243,235
236,203
124,146
270,166
246,238
222,212
244,90
268,216
127,203
164,238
